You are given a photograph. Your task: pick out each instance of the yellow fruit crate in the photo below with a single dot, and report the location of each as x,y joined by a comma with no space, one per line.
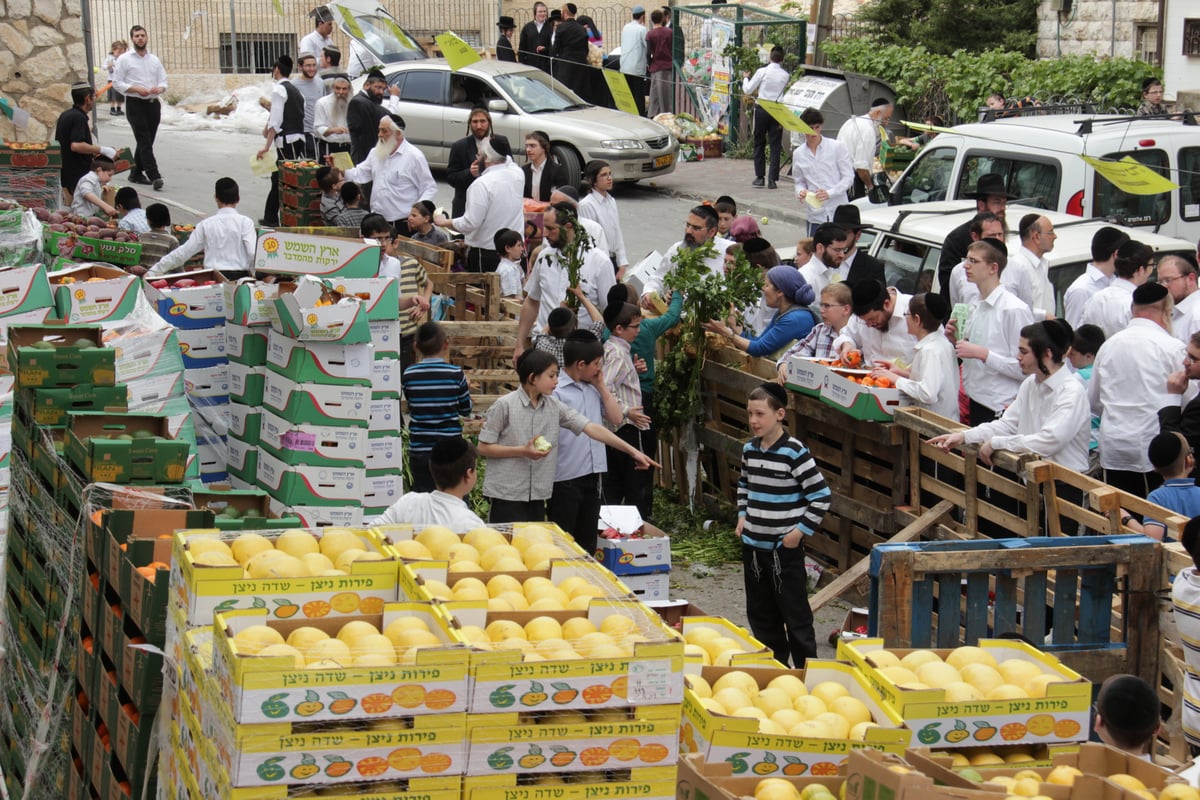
644,783
269,689
202,590
480,538
705,780
998,758
1061,714
739,740
427,581
732,645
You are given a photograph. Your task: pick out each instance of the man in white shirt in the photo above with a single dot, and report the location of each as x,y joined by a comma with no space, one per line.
1129,385
820,167
699,229
400,173
878,328
452,464
861,136
312,89
284,130
830,244
329,119
1179,276
1097,276
1027,274
984,225
633,57
227,238
319,37
493,204
549,279
991,374
770,82
140,76
1109,308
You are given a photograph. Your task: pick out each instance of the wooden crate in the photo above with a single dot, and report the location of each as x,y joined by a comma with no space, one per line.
432,257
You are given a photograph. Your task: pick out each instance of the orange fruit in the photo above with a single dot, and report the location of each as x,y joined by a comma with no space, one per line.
316,608
624,749
435,762
371,605
377,703
409,695
344,602
1040,724
372,767
440,699
1013,731
1066,728
653,753
594,756
404,759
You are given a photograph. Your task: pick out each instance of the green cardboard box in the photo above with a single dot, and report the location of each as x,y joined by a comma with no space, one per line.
71,355
149,455
50,406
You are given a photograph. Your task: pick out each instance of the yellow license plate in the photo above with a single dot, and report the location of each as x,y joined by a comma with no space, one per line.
664,161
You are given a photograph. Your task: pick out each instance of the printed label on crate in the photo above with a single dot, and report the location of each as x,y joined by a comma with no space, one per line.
562,685
298,254
542,749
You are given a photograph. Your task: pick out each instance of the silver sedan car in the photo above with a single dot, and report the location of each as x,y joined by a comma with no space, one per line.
436,102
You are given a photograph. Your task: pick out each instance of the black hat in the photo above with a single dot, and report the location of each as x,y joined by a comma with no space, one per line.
989,185
997,243
506,23
848,216
1164,449
1149,294
556,14
866,295
448,449
500,145
879,102
776,391
756,244
321,14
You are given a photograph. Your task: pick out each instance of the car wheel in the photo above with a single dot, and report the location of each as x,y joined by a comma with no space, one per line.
567,156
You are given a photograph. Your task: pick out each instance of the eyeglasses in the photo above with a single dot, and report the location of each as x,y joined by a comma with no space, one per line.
833,305
1190,359
841,251
1173,278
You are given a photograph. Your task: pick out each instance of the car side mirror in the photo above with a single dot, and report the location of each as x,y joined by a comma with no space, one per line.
879,195
498,106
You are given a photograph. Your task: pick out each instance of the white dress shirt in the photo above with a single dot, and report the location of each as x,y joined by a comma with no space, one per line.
819,274
1185,317
1050,418
314,43
548,283
325,117
1081,290
402,180
895,344
494,202
227,238
511,277
715,264
830,169
1027,276
275,116
934,376
89,183
596,231
860,137
434,508
1128,387
961,289
134,70
995,322
770,82
603,209
1111,308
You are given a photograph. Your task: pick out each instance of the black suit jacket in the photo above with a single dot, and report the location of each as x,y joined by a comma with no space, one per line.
362,118
529,42
1186,420
865,268
504,49
554,174
570,56
954,250
463,153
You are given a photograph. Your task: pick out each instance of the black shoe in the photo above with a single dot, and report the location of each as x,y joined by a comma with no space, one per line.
113,112
120,112
772,185
757,182
158,184
264,224
139,179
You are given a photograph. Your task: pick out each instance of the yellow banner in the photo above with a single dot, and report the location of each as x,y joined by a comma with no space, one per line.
457,53
785,116
921,126
278,6
352,25
1131,177
618,84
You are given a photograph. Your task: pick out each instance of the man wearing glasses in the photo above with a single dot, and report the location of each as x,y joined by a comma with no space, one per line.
1181,415
831,243
1179,276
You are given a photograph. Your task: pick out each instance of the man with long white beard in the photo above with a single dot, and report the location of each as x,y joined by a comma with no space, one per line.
329,119
399,172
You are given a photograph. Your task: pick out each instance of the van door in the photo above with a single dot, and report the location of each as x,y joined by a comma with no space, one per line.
910,266
1134,210
1034,181
927,179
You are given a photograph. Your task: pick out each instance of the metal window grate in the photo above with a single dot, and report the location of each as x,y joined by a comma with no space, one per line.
256,52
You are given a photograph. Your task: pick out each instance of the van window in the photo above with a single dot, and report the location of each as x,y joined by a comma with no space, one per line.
1132,209
424,86
1035,183
907,265
1189,182
928,178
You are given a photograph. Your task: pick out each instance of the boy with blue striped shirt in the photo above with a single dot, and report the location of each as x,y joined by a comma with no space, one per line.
438,395
781,498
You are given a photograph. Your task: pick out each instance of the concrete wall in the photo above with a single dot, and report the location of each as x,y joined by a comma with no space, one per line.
1094,27
41,55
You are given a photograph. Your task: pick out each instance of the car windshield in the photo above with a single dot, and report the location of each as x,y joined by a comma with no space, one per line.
386,39
533,94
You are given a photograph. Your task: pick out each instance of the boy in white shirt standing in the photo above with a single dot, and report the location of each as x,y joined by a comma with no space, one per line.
510,247
452,463
227,238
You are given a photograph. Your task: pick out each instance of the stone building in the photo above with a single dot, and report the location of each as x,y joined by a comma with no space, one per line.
42,54
1119,28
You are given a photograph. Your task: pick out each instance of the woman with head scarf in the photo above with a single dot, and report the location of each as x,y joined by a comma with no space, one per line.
786,291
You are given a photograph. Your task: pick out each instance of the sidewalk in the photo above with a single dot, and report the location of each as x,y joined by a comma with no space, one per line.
712,177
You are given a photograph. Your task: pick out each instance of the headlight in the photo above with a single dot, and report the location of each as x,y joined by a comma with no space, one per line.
622,144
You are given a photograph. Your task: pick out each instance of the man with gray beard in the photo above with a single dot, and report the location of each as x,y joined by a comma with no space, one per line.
399,172
329,119
312,89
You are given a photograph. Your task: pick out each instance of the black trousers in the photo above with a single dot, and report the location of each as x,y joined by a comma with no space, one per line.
516,511
766,131
144,116
777,602
325,148
575,507
1138,484
286,152
482,260
624,484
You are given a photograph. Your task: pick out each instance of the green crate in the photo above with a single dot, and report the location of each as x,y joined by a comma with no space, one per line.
50,406
64,360
149,455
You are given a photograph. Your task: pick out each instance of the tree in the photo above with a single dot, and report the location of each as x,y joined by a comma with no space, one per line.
944,26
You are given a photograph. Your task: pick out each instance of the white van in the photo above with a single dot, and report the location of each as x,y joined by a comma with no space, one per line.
1038,156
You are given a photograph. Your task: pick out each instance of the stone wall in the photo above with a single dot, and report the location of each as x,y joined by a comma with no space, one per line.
1089,28
42,54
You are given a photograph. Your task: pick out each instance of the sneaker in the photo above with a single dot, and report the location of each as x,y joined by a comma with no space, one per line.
772,185
113,112
120,112
139,179
158,184
758,182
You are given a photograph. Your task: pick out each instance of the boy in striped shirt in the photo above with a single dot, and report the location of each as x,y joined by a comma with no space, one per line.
781,498
438,395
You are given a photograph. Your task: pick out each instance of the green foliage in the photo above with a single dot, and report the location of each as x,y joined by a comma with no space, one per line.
955,86
690,541
944,26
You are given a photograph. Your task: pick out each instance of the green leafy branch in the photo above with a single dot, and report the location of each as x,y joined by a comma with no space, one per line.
572,254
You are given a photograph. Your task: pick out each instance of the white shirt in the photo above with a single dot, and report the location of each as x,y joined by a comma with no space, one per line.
325,117
1027,277
770,82
1185,594
315,43
819,274
1185,317
134,70
830,169
934,378
596,231
603,209
633,48
860,137
434,508
275,117
895,344
227,238
511,276
995,322
402,180
1081,290
715,264
961,289
494,202
548,283
1128,387
389,266
1050,418
1111,308
89,183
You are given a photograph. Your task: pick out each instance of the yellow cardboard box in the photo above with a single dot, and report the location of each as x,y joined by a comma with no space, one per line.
644,783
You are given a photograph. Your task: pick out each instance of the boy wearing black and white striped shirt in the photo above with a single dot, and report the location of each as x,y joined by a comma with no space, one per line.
781,498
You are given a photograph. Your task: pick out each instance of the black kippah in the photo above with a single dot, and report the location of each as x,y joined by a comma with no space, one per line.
1164,449
776,391
755,245
1148,294
448,450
